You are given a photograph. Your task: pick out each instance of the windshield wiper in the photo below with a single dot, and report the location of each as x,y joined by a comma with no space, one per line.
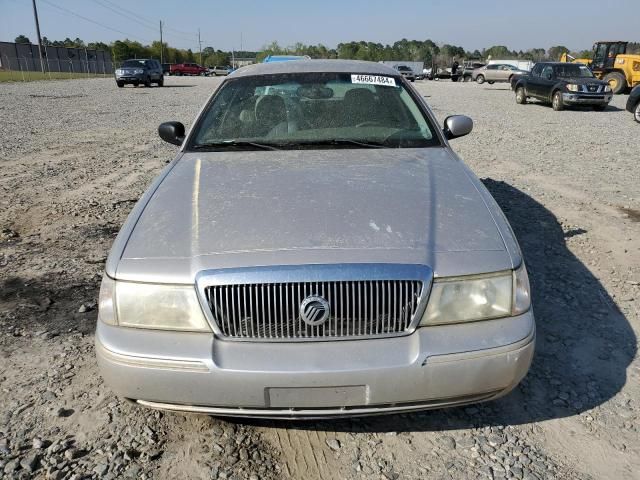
337,141
235,143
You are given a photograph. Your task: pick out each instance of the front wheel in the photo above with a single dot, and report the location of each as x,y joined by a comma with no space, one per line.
491,82
636,113
120,84
161,82
616,81
521,96
147,82
557,102
480,79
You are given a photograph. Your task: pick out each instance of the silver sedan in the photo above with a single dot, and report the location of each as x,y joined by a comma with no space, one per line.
496,73
315,249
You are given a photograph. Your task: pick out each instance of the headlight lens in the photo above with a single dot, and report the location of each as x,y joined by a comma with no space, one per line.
573,88
118,72
471,298
138,71
144,305
607,88
467,299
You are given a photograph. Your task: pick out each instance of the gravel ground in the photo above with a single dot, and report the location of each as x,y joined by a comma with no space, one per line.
76,155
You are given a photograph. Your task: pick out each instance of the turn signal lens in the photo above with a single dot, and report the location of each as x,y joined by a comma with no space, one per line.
521,290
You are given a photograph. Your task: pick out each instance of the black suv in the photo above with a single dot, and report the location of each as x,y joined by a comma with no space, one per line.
563,84
142,70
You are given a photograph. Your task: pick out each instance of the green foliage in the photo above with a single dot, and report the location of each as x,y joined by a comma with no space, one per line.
499,52
556,52
22,39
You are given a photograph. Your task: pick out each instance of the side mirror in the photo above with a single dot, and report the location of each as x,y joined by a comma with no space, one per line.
172,132
457,126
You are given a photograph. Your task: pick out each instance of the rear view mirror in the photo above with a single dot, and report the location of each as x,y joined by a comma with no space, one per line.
172,132
457,126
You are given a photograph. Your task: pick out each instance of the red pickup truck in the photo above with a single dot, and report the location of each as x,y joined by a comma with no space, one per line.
187,69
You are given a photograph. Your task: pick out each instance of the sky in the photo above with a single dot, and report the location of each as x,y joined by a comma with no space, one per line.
226,25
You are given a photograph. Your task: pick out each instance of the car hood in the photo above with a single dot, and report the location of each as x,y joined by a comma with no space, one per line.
584,81
235,209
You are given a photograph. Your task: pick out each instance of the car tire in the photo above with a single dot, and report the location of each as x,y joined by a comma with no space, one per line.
521,96
480,79
491,82
136,84
161,82
147,82
599,108
556,101
120,84
616,81
636,112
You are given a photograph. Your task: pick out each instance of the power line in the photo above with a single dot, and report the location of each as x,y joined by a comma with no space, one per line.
69,12
124,15
151,23
136,19
139,17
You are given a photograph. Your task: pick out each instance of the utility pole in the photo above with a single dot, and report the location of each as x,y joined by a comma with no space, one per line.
200,44
161,44
35,16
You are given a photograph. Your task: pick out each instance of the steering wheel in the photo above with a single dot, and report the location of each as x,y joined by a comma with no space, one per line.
369,123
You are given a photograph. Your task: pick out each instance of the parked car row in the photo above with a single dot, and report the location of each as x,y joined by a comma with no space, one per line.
145,71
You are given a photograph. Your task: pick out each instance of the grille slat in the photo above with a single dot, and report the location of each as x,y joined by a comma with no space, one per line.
268,311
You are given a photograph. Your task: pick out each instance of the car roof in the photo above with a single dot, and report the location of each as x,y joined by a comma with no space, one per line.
559,63
315,66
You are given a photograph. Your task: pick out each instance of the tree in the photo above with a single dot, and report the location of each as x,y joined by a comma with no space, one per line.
22,39
633,48
498,52
556,52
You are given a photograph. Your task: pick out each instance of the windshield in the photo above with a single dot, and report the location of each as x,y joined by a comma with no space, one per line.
402,68
313,110
133,63
573,71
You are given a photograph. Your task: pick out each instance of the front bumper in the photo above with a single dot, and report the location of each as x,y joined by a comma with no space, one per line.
434,367
584,99
131,78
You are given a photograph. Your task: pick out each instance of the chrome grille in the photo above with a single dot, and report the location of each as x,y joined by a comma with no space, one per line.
359,308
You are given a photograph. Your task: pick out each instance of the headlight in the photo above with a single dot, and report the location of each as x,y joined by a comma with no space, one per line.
118,72
573,88
144,305
138,71
607,89
482,297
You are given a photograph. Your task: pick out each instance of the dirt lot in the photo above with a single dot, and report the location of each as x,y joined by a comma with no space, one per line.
75,156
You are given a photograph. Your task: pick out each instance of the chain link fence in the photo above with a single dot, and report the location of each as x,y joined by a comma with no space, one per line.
30,68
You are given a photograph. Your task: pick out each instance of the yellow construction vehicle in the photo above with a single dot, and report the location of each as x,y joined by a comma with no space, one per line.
613,64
